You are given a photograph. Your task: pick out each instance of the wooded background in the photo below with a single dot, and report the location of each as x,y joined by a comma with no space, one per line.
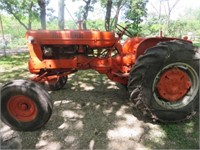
18,16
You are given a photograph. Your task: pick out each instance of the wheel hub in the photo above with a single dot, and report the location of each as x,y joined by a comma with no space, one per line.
22,108
173,84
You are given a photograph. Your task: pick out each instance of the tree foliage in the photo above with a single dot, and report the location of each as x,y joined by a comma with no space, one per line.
27,11
115,7
189,22
131,10
24,11
136,11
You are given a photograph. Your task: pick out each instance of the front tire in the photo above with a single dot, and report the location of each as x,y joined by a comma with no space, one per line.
25,105
164,83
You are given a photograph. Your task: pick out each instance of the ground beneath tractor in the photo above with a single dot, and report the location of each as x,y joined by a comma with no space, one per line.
92,112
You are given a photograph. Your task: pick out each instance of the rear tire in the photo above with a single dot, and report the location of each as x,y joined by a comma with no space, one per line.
146,74
25,105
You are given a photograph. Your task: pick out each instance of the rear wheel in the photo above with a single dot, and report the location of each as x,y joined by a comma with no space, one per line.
25,105
164,83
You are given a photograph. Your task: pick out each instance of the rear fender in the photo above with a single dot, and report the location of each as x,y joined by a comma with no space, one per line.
150,42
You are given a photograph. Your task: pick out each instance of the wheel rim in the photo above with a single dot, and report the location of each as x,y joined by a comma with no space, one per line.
175,86
22,108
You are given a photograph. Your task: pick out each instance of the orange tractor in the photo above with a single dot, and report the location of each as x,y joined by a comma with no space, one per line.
161,74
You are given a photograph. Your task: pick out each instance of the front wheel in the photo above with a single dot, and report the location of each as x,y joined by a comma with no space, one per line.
25,105
164,83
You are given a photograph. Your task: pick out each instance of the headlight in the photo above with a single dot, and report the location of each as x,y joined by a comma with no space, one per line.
30,39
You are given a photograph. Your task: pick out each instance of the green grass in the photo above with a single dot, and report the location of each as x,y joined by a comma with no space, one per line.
13,67
183,135
18,59
197,44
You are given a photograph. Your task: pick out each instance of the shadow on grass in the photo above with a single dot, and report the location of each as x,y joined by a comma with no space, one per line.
14,74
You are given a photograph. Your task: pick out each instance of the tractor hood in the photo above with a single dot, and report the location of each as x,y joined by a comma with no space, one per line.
71,37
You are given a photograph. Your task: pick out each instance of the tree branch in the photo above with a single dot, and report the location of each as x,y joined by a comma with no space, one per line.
15,16
155,8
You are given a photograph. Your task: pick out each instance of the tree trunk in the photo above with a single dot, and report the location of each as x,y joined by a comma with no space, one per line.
119,6
108,15
30,16
42,5
61,22
85,14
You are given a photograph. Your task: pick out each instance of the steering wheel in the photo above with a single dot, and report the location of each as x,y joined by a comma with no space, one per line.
123,30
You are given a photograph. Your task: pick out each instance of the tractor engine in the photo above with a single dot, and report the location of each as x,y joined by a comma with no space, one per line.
67,51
